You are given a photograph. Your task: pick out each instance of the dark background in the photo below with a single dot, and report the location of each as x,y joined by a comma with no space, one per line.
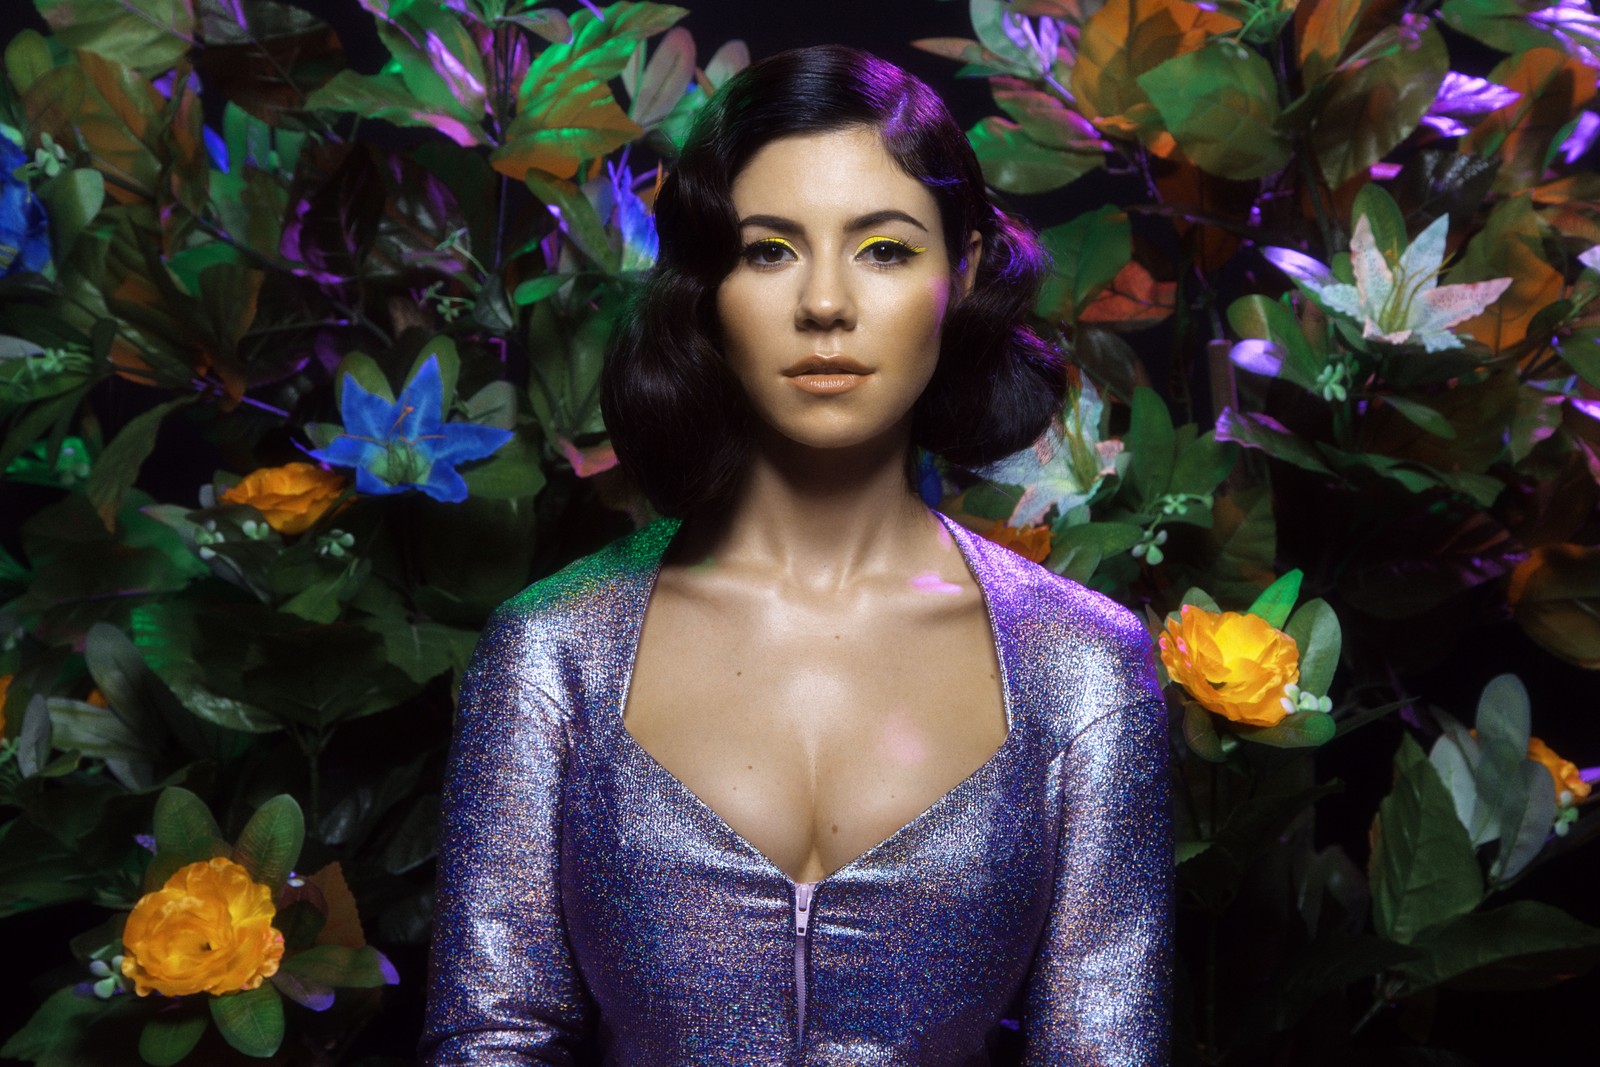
1490,1029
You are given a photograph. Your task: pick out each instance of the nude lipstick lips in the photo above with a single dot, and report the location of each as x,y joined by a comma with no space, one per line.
823,375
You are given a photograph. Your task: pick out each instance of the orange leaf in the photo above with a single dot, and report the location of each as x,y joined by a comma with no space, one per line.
344,922
1553,88
1133,299
1326,27
1123,40
1510,245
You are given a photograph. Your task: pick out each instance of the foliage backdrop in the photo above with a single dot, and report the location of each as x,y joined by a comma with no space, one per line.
301,311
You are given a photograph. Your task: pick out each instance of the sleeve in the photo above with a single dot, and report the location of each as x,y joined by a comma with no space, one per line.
503,988
1099,991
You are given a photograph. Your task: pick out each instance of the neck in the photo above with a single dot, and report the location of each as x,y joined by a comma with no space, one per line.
819,519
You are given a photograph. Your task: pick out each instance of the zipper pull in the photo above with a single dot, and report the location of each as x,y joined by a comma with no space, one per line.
802,907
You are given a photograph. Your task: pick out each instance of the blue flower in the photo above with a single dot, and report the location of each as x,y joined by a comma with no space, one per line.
24,227
406,444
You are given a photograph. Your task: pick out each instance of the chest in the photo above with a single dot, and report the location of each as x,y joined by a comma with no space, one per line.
817,732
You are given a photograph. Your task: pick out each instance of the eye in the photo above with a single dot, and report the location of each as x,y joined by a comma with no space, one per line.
887,251
768,252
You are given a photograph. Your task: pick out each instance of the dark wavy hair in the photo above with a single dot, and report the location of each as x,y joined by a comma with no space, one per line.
678,417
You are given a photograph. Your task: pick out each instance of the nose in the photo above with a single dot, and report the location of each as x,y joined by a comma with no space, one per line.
825,301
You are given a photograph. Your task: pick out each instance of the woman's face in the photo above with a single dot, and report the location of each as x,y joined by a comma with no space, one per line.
831,318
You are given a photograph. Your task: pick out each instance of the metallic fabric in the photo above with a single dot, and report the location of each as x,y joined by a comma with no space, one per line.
591,909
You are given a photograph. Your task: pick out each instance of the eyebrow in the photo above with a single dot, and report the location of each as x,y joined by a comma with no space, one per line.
861,222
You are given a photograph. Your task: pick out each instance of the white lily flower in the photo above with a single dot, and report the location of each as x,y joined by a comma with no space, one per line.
1064,466
1401,302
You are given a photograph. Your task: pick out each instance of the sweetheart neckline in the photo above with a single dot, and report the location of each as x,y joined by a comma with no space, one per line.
636,627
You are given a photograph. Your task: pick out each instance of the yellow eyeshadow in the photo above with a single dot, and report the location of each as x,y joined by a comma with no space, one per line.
774,241
870,241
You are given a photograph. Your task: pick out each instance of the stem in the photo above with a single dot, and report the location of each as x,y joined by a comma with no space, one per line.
1211,989
1378,1003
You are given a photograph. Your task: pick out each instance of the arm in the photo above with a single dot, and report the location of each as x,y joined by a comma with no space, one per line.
1099,992
503,989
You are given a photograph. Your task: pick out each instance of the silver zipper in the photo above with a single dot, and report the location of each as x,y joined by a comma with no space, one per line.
802,926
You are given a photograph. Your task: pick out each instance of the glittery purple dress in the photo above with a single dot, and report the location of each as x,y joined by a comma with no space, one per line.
591,908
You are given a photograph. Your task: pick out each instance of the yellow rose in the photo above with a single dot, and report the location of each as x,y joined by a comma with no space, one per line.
291,497
208,930
1032,543
1235,665
1563,771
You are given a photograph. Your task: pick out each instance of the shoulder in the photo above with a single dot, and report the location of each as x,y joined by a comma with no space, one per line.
589,597
1077,653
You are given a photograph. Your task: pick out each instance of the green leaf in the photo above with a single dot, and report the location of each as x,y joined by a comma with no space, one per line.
27,58
666,78
166,1039
424,650
270,842
72,199
1500,24
1262,318
339,967
70,1031
1322,971
536,289
183,825
1267,434
1423,869
1302,729
1526,813
1201,599
1076,551
251,1021
118,466
1504,711
1200,733
98,732
324,600
566,112
1315,629
151,36
1203,464
512,473
1152,440
579,220
443,351
1524,945
1220,102
1378,101
1383,215
1422,415
386,96
365,370
1277,600
1085,255
1016,163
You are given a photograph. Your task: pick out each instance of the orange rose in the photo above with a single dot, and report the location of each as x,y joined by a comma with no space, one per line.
1235,665
5,685
1031,543
208,930
1570,786
291,497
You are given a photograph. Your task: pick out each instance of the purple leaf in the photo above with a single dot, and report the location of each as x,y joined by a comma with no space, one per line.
1462,94
1299,266
1581,138
1258,357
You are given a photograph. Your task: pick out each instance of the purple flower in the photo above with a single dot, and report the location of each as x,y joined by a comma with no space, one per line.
24,227
395,445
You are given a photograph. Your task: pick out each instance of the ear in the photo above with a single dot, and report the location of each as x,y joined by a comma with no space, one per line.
967,269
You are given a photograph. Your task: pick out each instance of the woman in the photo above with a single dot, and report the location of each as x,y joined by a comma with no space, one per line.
858,785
